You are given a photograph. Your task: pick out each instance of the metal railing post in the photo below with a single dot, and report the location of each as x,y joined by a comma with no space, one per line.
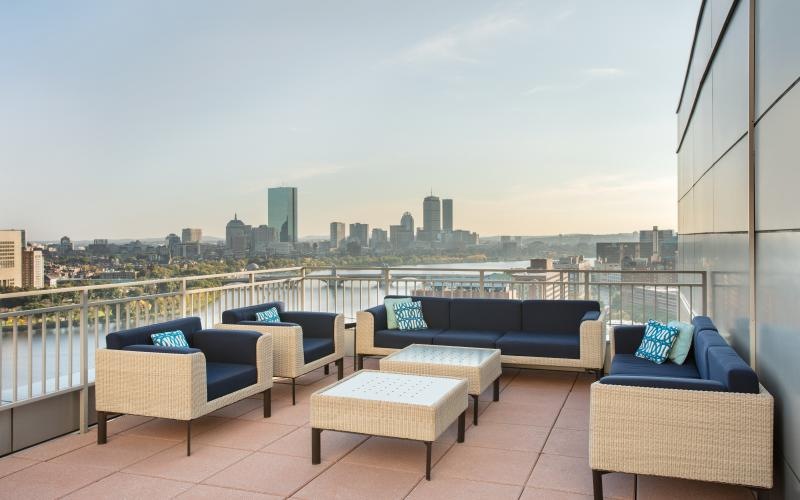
84,394
387,280
586,285
705,293
302,297
183,298
252,289
482,284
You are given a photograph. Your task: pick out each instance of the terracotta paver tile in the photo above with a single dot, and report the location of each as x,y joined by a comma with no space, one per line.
283,413
573,418
577,400
562,473
244,435
121,485
486,464
348,481
119,452
664,488
528,396
445,487
12,464
540,494
50,480
396,454
239,408
206,492
166,428
59,446
506,436
298,443
522,414
122,423
268,473
570,442
173,463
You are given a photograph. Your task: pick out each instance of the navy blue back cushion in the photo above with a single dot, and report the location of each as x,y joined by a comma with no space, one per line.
234,316
555,315
435,310
499,315
141,335
702,341
727,368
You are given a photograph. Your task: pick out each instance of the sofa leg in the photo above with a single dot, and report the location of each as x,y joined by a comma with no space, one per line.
475,410
293,393
428,446
316,455
101,427
340,369
359,362
597,484
188,438
496,389
327,370
762,494
268,403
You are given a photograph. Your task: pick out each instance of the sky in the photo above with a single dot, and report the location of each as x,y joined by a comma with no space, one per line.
134,119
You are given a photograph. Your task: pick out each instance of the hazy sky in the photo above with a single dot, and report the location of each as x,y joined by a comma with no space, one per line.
137,118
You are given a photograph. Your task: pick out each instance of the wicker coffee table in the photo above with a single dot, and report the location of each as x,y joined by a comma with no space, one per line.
479,367
389,404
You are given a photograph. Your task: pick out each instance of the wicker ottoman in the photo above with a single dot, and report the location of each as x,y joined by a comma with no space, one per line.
392,405
479,367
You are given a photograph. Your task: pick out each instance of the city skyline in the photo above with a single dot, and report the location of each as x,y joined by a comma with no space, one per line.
238,101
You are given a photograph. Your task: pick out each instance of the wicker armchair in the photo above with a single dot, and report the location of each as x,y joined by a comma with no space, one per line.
302,341
219,368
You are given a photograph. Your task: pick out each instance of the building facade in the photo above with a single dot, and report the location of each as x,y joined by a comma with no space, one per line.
10,258
237,238
191,235
32,268
360,232
738,209
447,215
337,234
431,215
282,213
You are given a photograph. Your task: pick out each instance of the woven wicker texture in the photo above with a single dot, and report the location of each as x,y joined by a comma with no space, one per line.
424,422
479,367
592,345
167,385
709,436
288,347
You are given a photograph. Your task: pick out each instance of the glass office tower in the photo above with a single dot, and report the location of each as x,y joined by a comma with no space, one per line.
738,208
282,213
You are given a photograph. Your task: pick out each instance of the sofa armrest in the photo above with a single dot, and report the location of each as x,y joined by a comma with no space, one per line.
365,332
591,315
227,346
260,323
379,317
287,345
318,325
152,384
161,349
626,339
593,341
692,384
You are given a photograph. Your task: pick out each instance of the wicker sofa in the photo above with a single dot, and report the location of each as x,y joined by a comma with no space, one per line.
134,376
565,333
708,419
302,341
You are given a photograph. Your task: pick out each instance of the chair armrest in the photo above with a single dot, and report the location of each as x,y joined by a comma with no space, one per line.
379,316
227,346
287,345
626,339
261,323
692,384
593,340
318,325
152,384
365,332
161,349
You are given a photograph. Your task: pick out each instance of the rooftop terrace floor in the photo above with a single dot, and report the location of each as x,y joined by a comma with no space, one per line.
533,444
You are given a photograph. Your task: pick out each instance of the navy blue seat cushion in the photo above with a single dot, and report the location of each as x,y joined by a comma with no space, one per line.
315,348
485,315
396,339
540,344
628,364
161,349
730,370
468,338
555,315
693,384
435,310
141,335
233,316
225,378
702,341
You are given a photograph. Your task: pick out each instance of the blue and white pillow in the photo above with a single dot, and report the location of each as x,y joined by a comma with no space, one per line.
657,341
269,316
409,316
169,339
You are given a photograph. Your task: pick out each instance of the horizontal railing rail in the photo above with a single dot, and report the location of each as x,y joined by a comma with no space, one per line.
48,337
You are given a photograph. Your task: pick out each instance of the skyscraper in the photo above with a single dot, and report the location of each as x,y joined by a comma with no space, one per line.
10,258
191,235
237,238
282,213
407,221
360,232
431,214
447,215
337,234
32,268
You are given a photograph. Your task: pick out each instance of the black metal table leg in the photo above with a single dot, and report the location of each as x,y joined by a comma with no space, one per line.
293,391
340,369
101,427
188,437
475,410
268,403
315,446
428,445
327,370
462,424
496,389
597,484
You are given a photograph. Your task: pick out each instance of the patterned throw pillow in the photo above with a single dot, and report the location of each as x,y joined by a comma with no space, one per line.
269,316
409,316
657,341
169,339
